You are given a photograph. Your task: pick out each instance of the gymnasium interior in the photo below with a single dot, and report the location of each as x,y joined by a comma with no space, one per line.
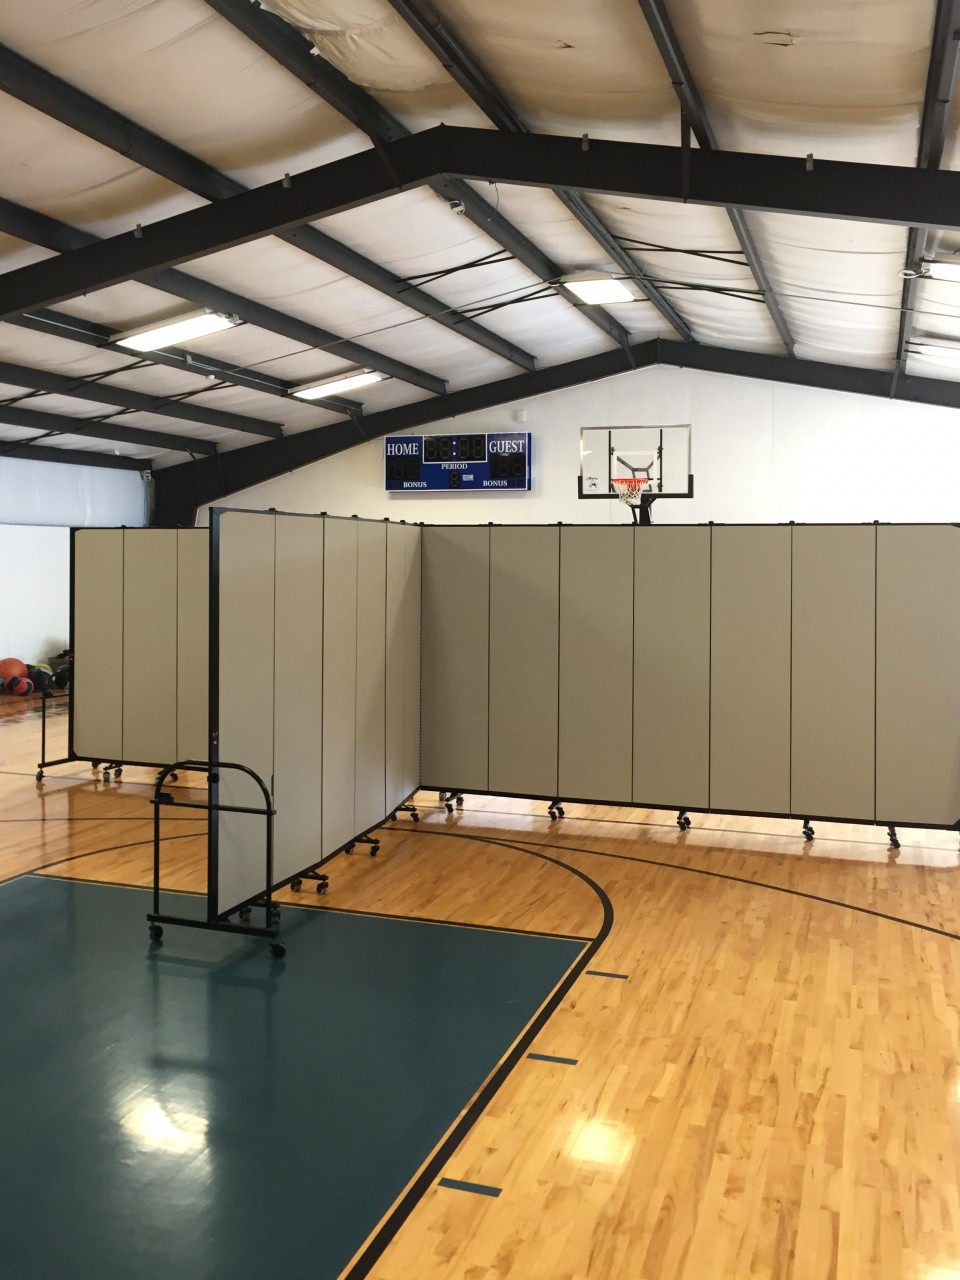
493,467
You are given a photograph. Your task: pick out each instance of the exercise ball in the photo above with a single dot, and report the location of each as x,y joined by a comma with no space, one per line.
19,686
41,680
12,667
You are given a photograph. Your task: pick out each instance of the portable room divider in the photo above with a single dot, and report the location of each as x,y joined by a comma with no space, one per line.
808,671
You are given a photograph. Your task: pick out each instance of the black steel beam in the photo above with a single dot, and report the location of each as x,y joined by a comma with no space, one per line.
453,55
692,106
50,233
71,106
72,457
99,392
40,420
58,324
294,52
833,189
181,489
938,95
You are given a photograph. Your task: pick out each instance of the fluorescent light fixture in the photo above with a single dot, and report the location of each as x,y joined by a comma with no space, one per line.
198,324
331,386
942,271
598,287
937,351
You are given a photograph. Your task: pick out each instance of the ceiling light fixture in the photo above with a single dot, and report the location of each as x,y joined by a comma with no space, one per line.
197,324
331,386
598,287
942,271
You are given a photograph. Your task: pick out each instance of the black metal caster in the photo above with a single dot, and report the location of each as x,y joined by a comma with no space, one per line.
808,831
321,888
39,775
244,913
273,915
174,777
449,807
118,774
156,932
348,848
894,839
296,885
459,802
555,811
683,820
374,849
105,775
277,950
393,817
415,816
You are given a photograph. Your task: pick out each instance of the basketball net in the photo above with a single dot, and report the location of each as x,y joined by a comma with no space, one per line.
630,489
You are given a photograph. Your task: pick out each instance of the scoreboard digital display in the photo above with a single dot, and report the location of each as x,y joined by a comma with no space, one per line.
477,463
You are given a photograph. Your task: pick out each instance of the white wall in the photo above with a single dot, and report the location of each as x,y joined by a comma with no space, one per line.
34,493
762,452
35,595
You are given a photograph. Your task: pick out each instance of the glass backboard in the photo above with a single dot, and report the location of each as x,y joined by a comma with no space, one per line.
661,453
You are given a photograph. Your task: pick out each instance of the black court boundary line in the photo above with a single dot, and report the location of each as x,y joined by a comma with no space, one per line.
383,1235
458,924
723,875
147,818
106,884
720,831
92,853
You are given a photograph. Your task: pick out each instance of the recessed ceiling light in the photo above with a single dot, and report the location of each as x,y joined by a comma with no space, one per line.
343,382
598,287
942,271
198,324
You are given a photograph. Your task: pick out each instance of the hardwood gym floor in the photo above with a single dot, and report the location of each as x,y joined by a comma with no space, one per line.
764,1074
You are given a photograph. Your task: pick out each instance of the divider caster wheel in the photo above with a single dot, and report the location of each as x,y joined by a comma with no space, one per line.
244,913
552,814
277,950
894,839
174,777
393,817
273,915
808,831
683,820
459,802
415,816
105,775
118,774
156,932
322,887
449,807
39,775
348,848
296,885
374,849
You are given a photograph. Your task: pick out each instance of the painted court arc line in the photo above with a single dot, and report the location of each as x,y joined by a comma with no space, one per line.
373,1249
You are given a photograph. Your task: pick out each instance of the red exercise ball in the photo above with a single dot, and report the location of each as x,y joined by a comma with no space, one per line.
12,667
19,686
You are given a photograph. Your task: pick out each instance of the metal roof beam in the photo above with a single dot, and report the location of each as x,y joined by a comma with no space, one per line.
50,233
70,457
71,106
40,420
295,52
833,189
181,489
692,106
476,83
100,392
58,324
937,98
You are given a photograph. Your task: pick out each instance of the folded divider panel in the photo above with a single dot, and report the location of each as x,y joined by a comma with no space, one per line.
671,664
834,671
750,669
97,687
524,658
412,538
596,663
247,555
193,643
339,682
370,748
298,694
918,674
150,639
455,658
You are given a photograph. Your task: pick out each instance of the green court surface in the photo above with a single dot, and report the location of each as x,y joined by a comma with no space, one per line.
200,1110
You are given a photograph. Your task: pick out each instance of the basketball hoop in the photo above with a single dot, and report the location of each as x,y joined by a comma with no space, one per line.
630,490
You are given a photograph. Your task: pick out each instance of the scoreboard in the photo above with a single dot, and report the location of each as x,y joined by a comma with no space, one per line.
478,463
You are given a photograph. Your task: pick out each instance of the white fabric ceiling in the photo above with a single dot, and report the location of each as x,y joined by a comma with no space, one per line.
842,79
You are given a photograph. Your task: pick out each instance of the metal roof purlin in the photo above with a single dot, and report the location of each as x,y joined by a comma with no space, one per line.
691,104
71,106
295,52
40,420
938,95
477,84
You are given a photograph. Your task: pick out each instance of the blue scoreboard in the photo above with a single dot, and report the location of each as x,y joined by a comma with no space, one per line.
484,463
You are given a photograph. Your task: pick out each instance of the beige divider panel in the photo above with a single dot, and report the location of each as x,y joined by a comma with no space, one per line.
671,663
298,694
402,663
339,682
596,663
918,673
97,696
454,700
370,751
834,634
245,690
411,668
750,669
193,643
524,658
150,645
